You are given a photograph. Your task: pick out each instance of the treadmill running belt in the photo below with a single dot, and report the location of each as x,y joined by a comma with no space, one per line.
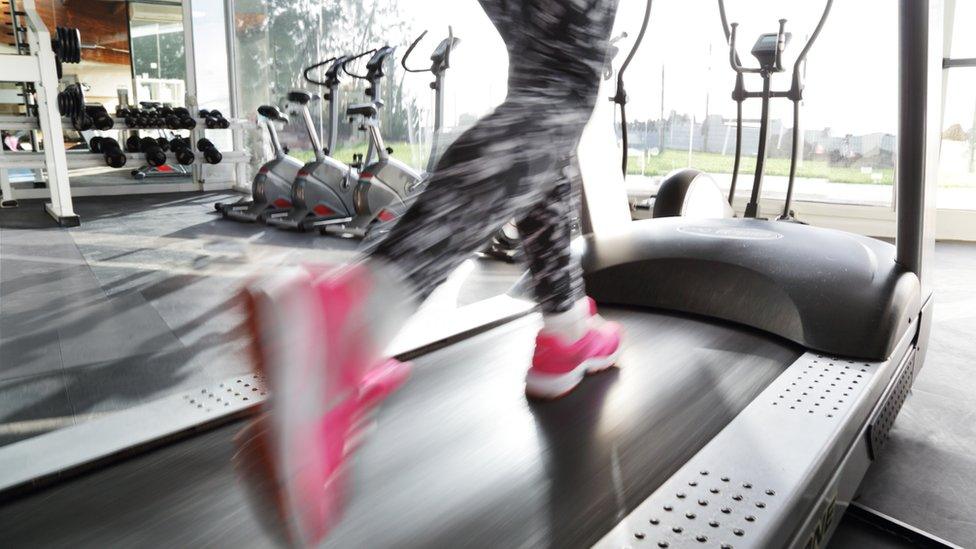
458,455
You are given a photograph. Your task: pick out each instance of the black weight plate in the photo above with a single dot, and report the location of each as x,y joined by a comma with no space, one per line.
74,36
57,43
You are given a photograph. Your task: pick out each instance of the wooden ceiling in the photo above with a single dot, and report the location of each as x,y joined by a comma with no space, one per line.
101,23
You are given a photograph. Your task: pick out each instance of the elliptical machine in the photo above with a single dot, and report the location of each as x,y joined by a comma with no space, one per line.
271,188
387,186
768,50
323,190
440,61
678,190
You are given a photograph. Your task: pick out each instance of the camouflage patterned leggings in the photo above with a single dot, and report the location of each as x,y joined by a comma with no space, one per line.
519,161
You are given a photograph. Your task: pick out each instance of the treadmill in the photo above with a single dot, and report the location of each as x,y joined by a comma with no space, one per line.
764,364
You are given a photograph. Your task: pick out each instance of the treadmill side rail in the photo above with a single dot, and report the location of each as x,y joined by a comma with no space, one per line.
771,478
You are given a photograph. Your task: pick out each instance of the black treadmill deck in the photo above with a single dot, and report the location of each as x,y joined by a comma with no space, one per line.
458,454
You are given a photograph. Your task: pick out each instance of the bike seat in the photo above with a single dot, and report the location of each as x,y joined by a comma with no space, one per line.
272,113
300,97
368,110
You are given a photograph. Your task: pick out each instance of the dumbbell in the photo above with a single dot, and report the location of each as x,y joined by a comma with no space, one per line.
210,153
183,150
130,117
132,144
186,121
214,120
169,118
82,122
163,143
114,157
135,118
155,156
100,117
209,119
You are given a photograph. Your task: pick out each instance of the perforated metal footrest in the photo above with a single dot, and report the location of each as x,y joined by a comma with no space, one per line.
758,482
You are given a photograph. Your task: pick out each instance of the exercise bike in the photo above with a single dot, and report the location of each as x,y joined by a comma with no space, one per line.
271,188
388,186
323,190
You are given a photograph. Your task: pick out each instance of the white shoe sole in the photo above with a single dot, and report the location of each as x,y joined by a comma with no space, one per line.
287,312
548,386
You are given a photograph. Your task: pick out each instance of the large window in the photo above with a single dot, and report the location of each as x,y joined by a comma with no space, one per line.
278,38
957,168
158,58
682,113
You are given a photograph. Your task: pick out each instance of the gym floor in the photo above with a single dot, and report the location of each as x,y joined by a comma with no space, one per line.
138,303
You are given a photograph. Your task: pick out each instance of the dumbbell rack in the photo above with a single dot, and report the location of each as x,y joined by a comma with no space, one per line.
39,67
36,66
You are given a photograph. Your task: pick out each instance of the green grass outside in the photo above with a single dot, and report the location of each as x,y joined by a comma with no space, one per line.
709,162
402,150
716,163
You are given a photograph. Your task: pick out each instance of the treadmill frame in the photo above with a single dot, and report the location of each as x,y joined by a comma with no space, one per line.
799,472
812,463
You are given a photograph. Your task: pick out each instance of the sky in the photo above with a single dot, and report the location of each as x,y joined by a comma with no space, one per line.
851,74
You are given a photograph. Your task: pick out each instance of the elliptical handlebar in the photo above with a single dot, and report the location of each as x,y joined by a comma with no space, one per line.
440,58
780,46
620,96
813,38
331,74
730,36
374,67
413,45
734,52
345,64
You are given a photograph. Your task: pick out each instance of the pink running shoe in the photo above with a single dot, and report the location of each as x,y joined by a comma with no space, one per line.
312,344
559,366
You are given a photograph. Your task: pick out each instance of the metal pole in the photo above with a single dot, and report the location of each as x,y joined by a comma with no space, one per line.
192,104
333,137
234,93
313,136
752,208
797,151
439,79
55,159
738,151
916,141
279,152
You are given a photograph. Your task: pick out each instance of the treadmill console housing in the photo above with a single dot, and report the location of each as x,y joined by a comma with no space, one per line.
827,290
